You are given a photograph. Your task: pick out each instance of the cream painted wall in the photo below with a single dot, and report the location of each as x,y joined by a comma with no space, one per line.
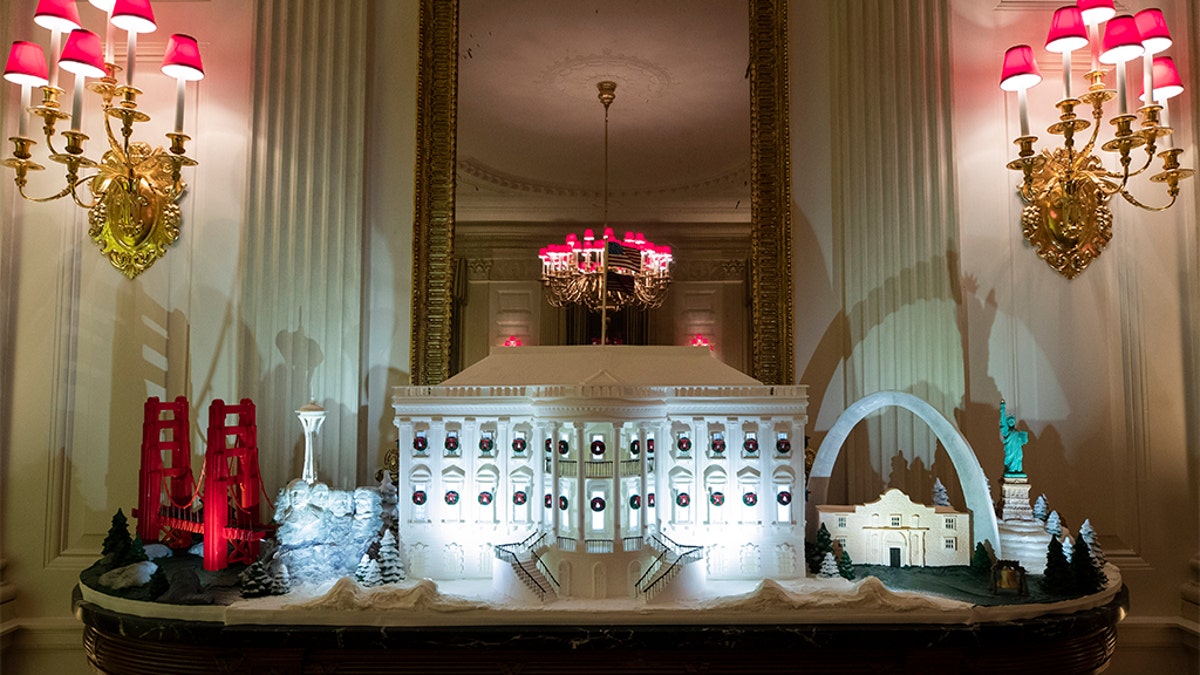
1102,370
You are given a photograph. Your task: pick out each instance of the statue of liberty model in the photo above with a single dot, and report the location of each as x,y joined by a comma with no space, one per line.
1014,442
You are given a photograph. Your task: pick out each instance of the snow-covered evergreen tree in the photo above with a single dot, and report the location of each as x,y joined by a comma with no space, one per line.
845,565
389,503
940,496
829,567
390,565
368,573
255,580
1054,524
1068,546
1041,508
1088,578
1088,534
281,581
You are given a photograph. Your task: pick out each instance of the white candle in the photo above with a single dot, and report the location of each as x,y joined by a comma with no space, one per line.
1122,105
1148,78
179,89
108,37
1066,58
23,117
1023,111
1093,30
55,48
77,103
131,49
1165,123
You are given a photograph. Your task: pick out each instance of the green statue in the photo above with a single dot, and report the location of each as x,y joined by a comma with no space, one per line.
1014,442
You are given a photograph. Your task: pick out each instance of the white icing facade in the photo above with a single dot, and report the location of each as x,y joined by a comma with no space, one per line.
894,530
603,449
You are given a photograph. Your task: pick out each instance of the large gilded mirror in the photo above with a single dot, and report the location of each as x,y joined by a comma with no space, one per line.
465,176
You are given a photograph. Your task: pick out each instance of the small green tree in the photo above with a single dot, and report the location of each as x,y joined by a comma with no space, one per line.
845,565
118,543
1057,578
823,545
136,553
981,560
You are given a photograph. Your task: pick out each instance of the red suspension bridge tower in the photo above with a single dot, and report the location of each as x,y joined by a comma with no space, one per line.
230,482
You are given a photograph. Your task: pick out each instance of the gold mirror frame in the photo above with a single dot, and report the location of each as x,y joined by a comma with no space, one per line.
433,223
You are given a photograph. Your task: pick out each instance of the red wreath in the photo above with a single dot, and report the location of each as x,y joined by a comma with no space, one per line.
451,497
598,447
419,497
519,497
750,499
650,500
650,445
635,446
420,443
452,443
485,498
683,499
549,500
718,445
717,498
684,444
635,502
486,444
784,498
750,445
783,446
563,447
519,445
562,503
598,504
549,443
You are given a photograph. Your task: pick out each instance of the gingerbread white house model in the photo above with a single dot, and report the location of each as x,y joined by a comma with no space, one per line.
894,530
602,471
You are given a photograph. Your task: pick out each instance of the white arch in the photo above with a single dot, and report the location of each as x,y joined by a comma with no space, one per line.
966,464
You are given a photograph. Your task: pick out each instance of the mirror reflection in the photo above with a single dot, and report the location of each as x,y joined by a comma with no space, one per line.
531,166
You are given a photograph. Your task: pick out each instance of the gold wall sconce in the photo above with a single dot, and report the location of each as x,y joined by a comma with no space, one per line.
1066,190
133,215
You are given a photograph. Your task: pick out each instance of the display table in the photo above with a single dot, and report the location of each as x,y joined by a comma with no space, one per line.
1079,642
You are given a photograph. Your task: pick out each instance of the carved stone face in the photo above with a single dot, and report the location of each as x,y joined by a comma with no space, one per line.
366,502
299,494
341,503
319,496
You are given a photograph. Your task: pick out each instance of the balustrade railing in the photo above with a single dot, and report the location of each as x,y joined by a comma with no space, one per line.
598,545
666,565
511,553
598,469
567,468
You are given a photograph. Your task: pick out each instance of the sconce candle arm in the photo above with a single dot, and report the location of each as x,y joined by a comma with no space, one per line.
1173,192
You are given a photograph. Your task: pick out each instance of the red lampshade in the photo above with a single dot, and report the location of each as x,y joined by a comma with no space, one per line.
1167,83
1122,42
182,60
103,5
1096,11
26,64
1020,70
1067,32
59,15
1153,28
83,54
134,16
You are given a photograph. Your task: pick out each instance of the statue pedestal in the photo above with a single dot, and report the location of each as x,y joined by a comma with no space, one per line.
1016,499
